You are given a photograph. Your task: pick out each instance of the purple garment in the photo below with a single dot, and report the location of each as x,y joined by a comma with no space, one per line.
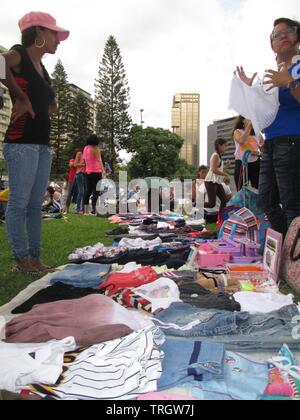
82,319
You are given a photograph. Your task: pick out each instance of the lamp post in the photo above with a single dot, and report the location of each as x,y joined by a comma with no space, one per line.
142,122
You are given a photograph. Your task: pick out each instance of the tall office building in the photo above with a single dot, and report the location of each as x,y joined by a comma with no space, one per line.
5,112
221,129
186,123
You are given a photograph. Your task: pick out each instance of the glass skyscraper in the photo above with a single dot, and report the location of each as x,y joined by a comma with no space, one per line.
186,123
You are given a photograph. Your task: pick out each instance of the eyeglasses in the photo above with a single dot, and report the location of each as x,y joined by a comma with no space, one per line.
278,35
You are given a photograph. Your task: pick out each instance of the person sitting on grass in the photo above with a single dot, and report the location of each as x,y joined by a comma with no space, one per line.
52,203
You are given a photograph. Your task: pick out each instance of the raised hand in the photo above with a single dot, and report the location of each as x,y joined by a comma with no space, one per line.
242,75
281,78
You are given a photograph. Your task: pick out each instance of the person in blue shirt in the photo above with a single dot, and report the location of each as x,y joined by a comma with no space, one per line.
279,186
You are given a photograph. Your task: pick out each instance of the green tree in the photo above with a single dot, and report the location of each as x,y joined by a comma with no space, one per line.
112,98
60,121
186,171
155,152
80,122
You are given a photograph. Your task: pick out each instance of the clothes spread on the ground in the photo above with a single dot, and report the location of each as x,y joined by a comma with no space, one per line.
213,281
162,269
198,296
139,235
162,396
217,281
21,364
245,379
146,218
140,243
130,299
172,255
161,293
118,370
86,275
127,268
188,360
140,316
55,293
284,376
181,276
171,232
238,331
82,318
262,302
11,396
119,281
87,253
122,230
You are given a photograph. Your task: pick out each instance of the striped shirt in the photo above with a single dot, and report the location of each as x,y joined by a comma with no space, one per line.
121,369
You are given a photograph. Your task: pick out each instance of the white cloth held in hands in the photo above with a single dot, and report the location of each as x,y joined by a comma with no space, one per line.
254,103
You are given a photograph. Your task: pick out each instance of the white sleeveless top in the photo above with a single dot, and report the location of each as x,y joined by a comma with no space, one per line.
211,177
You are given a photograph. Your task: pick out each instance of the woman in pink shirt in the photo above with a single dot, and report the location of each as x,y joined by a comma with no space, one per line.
246,140
94,171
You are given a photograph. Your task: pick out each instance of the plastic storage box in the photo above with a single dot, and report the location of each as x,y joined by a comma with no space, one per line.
209,257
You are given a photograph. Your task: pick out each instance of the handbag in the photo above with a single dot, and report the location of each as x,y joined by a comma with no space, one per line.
246,197
242,224
290,262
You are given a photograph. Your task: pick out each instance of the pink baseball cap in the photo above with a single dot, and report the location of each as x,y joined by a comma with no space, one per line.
44,20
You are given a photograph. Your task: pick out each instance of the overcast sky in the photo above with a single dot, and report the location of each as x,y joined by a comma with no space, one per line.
168,46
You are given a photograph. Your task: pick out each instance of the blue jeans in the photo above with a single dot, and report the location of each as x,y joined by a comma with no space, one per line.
82,276
80,184
237,331
208,322
279,186
186,361
29,168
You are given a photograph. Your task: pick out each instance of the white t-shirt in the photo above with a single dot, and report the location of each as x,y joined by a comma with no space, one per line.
262,303
23,364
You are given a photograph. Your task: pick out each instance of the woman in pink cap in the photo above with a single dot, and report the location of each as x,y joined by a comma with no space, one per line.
26,148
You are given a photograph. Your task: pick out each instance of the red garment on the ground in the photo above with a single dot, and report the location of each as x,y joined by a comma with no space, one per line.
120,281
193,235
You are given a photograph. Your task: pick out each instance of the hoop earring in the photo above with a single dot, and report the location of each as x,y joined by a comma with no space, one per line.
39,46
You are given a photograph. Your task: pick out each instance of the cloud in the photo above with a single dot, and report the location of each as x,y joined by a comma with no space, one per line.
168,46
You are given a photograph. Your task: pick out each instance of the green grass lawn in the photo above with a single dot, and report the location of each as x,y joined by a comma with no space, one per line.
60,238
